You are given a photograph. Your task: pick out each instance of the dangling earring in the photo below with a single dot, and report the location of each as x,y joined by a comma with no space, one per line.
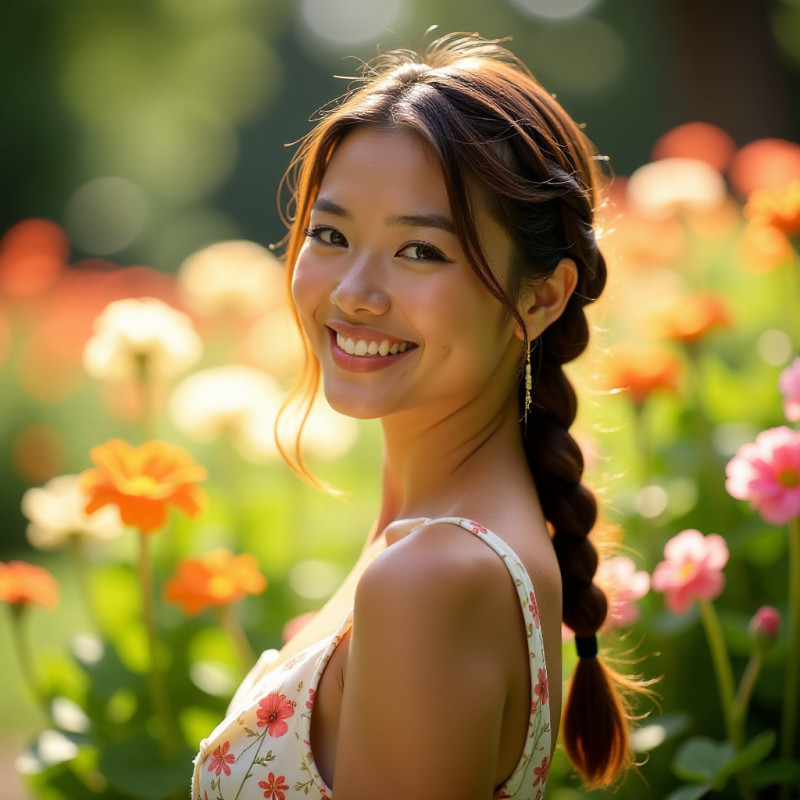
528,380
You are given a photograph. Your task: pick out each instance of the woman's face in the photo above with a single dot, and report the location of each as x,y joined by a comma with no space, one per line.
394,312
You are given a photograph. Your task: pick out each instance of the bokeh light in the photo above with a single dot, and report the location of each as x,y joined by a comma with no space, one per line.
105,215
555,9
349,22
596,55
32,254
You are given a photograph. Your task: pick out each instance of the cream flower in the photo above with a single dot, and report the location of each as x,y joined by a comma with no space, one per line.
674,185
327,434
222,400
128,331
236,276
56,514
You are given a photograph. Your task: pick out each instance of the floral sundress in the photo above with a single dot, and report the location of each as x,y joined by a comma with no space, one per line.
262,748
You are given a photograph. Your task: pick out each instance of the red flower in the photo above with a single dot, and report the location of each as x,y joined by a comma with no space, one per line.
541,772
312,696
274,787
478,528
220,759
275,708
534,608
540,690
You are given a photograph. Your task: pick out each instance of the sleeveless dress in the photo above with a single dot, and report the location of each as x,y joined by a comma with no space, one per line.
262,748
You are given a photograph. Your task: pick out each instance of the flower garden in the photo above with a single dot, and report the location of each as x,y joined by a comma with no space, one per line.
163,544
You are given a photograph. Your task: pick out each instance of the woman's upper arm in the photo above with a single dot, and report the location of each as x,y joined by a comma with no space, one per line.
425,686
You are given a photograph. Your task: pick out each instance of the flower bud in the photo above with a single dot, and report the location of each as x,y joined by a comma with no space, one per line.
765,625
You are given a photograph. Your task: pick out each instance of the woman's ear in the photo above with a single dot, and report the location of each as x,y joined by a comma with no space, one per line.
545,303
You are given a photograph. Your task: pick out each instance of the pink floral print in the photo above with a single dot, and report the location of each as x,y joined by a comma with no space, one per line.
220,759
540,690
541,772
275,709
533,607
274,787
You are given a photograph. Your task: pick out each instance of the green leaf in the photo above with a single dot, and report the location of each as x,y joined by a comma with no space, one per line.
693,792
702,759
778,771
754,752
137,761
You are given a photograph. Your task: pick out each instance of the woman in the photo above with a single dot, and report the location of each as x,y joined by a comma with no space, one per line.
440,256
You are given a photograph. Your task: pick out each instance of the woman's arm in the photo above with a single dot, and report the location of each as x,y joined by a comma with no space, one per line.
425,684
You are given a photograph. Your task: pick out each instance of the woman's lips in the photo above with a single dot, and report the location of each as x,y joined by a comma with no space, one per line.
369,353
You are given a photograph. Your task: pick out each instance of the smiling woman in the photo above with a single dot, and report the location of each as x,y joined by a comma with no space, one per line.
440,255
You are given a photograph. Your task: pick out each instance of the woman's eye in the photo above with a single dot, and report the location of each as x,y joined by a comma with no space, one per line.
326,235
420,251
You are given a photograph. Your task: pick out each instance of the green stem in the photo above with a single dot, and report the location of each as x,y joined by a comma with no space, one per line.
229,623
647,526
76,556
155,680
746,686
790,693
25,660
723,670
147,395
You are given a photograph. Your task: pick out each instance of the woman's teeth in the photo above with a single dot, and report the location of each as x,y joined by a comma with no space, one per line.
361,347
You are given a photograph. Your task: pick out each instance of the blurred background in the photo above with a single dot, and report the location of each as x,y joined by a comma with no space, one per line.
148,130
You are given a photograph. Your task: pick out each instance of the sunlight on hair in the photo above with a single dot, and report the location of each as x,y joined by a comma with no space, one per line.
349,22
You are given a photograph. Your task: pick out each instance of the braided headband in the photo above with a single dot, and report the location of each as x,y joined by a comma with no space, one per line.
586,646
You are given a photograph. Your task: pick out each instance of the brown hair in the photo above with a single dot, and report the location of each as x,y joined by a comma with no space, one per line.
490,123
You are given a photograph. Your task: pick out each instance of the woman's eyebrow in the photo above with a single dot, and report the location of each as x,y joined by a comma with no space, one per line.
423,220
431,220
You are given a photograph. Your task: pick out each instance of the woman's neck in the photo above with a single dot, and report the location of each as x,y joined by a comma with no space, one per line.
431,467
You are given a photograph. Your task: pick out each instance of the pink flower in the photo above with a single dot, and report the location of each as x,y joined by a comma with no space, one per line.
767,473
275,708
540,690
789,387
274,787
625,586
692,570
533,606
220,759
766,625
541,772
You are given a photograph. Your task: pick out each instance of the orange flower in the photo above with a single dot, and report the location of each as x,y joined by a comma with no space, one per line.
689,319
217,579
641,369
22,584
143,481
778,207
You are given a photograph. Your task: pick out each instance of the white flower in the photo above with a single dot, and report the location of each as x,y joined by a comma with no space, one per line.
327,434
671,185
274,344
128,331
219,401
236,276
56,514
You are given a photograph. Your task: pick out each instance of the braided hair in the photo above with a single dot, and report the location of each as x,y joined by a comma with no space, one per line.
491,124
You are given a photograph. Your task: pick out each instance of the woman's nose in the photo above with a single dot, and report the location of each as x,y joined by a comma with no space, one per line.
360,290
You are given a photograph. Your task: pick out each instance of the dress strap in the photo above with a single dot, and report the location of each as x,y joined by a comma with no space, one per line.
538,743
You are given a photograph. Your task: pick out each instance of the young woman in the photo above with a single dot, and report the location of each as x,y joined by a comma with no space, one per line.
440,255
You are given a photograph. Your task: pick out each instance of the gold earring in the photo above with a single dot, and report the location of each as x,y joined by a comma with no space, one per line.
528,380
